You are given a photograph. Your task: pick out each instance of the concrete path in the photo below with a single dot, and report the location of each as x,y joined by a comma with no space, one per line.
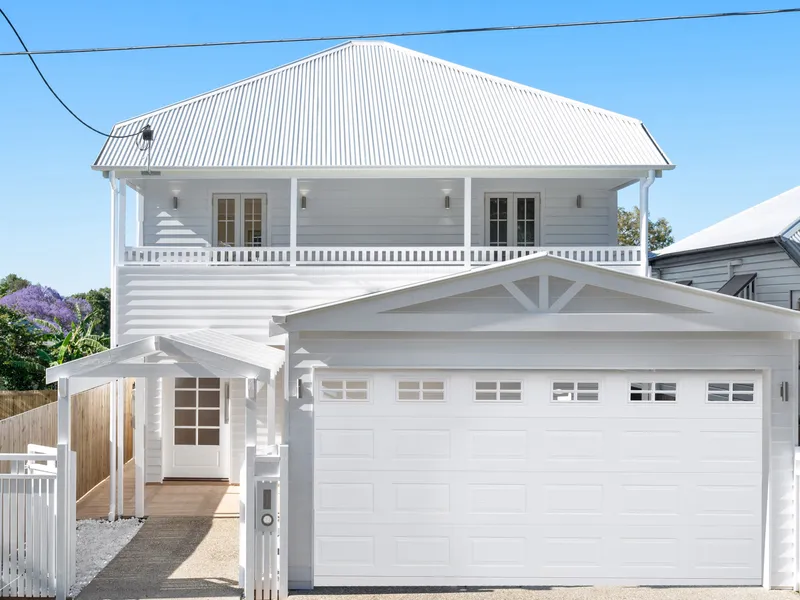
555,593
173,557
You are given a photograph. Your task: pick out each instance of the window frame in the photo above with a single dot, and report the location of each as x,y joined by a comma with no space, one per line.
652,391
197,408
497,391
344,400
421,381
239,227
730,392
511,225
575,391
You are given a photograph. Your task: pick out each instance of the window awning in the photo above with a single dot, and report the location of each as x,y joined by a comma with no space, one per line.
735,285
199,353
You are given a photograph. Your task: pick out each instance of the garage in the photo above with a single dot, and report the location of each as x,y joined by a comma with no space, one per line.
542,422
522,477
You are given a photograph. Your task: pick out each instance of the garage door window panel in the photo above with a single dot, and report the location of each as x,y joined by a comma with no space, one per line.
344,390
653,391
729,391
575,391
498,391
420,391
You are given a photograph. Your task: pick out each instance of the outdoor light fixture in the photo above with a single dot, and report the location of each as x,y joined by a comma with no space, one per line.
784,391
578,201
299,388
447,202
303,202
174,202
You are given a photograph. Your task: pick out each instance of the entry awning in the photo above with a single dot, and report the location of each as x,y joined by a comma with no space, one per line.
199,353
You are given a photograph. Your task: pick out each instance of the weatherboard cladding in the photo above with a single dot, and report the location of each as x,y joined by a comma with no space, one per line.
375,104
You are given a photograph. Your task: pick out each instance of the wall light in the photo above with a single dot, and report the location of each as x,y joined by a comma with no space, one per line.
303,202
174,202
578,201
447,202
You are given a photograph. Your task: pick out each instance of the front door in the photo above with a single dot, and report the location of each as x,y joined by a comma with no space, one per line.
196,438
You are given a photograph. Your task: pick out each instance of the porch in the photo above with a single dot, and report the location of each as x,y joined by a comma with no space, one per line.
168,499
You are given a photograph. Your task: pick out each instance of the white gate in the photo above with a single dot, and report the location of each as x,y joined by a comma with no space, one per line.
28,524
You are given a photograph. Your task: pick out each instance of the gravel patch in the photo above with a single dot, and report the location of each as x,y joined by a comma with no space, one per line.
97,543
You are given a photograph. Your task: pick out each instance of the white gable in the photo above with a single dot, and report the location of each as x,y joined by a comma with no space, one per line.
544,293
375,104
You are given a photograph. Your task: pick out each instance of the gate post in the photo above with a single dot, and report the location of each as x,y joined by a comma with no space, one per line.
63,479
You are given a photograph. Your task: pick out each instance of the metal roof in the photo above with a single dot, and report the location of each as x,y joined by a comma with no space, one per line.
766,221
378,105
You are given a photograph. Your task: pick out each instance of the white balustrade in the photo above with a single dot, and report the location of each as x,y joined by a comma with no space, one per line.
381,255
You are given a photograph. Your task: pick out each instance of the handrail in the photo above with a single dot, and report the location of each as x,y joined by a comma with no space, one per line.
372,255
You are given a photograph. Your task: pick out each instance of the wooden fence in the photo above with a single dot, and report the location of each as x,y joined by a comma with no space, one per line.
13,403
90,433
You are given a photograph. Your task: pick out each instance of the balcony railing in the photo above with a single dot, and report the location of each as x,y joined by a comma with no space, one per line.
384,255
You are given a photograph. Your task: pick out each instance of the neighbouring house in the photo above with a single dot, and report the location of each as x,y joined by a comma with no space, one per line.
393,284
753,254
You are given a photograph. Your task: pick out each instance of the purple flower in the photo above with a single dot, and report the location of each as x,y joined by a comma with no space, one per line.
46,308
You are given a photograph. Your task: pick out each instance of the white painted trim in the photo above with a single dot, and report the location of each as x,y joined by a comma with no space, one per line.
293,221
767,487
112,450
468,220
141,393
521,297
544,292
565,298
283,525
139,218
120,447
120,235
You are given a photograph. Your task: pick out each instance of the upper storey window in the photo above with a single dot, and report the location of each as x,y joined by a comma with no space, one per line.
240,220
512,219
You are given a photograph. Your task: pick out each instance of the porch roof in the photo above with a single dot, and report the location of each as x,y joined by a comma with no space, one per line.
198,353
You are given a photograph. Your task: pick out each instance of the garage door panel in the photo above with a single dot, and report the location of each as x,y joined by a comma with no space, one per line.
535,493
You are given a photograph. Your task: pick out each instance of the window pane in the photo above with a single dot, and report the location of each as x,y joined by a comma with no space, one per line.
184,437
564,386
409,396
485,396
641,386
485,385
208,437
185,418
333,385
356,385
185,399
719,387
510,396
209,398
428,395
208,418
588,396
185,382
743,387
718,397
510,385
433,385
408,385
208,383
665,397
588,386
666,387
744,397
332,395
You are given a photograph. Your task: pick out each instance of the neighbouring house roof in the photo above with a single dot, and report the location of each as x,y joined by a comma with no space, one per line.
766,221
375,104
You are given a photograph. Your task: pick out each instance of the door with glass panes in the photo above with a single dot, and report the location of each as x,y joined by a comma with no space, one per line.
240,220
196,421
512,219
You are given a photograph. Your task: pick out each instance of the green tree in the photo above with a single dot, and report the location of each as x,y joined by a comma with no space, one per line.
12,283
63,345
100,301
659,232
21,365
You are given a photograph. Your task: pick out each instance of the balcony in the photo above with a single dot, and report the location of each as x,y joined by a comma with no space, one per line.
610,256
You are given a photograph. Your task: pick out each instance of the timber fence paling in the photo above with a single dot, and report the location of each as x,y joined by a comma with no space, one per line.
90,433
13,403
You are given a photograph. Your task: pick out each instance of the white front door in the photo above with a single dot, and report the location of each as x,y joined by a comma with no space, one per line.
196,437
537,478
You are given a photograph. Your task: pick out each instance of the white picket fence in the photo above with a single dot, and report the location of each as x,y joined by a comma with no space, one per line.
28,524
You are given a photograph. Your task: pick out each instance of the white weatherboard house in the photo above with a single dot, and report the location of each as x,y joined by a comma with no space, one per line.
403,275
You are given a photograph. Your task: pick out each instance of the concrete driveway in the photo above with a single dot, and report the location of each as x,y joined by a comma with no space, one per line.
563,593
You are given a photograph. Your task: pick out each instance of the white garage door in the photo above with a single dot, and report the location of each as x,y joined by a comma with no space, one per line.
530,478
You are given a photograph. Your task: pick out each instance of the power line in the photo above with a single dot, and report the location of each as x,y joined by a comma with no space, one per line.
52,91
370,36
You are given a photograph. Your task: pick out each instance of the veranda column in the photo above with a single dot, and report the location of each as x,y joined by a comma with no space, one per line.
112,387
246,498
62,537
468,221
140,394
644,232
293,221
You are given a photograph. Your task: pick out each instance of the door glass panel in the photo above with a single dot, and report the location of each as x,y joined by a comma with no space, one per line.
197,411
226,222
253,220
526,221
498,221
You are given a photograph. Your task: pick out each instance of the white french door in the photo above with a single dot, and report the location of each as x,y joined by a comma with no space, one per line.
196,429
512,219
240,220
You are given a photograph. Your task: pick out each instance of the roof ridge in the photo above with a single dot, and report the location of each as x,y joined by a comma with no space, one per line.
395,47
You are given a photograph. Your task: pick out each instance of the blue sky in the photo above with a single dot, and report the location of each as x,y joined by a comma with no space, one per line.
720,96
